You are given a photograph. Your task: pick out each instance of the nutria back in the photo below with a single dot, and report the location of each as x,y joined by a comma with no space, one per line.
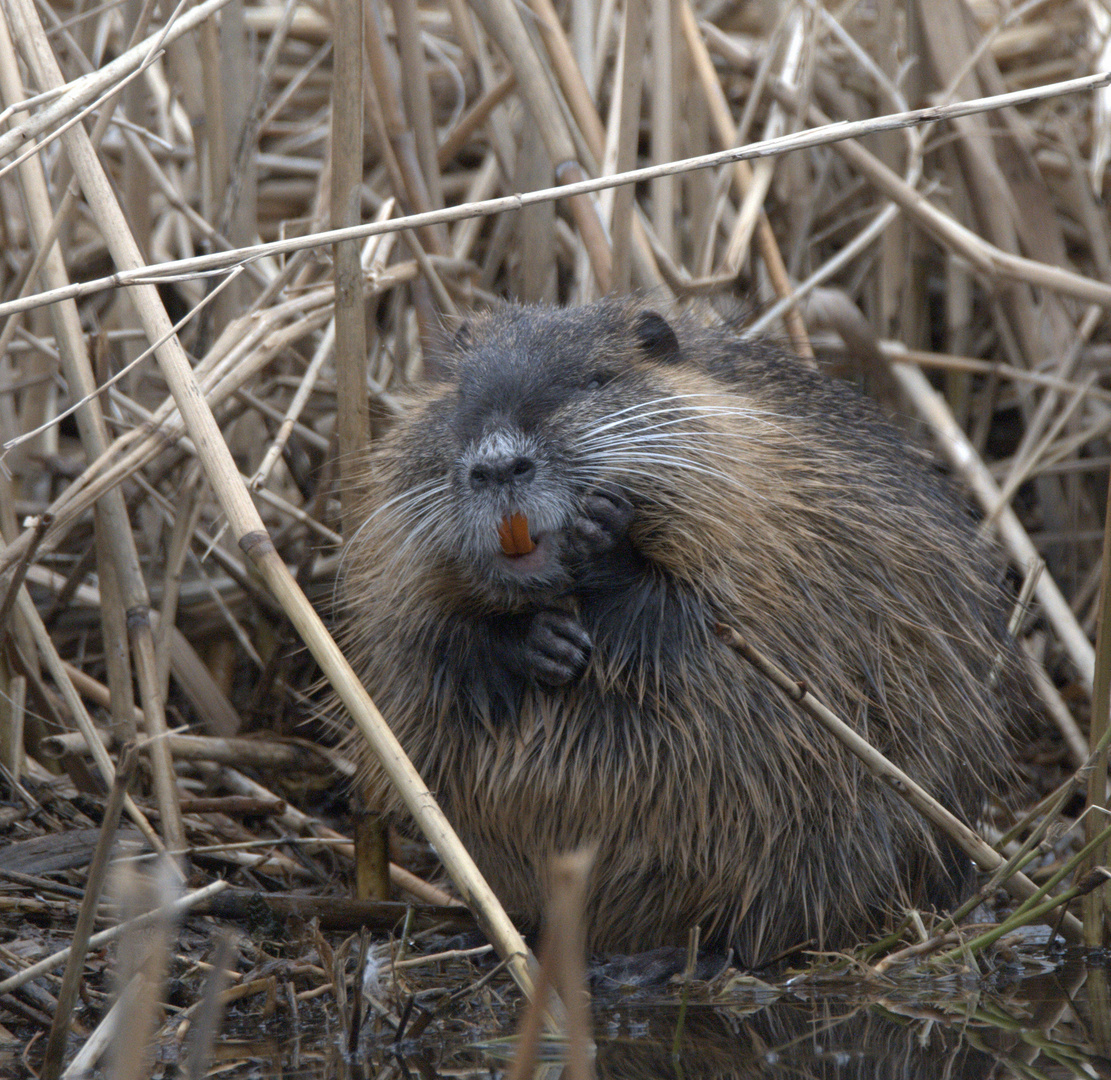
548,538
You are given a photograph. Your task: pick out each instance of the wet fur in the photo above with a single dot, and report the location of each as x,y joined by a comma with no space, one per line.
685,477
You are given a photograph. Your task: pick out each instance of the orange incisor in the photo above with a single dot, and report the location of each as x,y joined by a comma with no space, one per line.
514,535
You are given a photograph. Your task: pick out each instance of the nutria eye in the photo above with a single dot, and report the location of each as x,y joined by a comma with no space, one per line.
597,380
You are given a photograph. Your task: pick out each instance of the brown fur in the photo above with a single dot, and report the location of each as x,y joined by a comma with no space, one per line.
756,492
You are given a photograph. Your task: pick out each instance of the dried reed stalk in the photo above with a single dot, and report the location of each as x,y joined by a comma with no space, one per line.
946,230
346,206
111,514
963,458
250,530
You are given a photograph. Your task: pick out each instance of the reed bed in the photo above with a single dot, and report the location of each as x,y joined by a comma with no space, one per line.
211,215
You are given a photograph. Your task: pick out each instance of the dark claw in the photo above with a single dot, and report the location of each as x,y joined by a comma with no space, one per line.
601,526
557,648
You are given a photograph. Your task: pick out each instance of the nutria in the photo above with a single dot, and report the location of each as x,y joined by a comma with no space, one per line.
547,540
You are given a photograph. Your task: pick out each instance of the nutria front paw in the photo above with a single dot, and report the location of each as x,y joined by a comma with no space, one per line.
602,524
557,648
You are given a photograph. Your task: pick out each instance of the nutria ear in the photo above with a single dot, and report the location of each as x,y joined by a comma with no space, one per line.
655,336
443,350
463,337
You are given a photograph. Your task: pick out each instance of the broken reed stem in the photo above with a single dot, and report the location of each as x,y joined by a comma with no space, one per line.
144,956
249,530
205,1021
968,840
303,825
570,877
562,969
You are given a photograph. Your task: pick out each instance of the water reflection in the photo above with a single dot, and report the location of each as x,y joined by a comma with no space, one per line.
1036,1017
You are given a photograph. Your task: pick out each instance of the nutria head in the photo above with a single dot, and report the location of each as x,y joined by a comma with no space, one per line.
536,409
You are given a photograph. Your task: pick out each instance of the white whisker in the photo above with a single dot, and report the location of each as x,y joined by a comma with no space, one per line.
432,494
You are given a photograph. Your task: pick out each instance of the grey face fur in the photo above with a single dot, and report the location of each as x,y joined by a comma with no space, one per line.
515,437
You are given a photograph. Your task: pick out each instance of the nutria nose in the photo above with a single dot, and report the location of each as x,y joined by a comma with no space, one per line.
493,472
